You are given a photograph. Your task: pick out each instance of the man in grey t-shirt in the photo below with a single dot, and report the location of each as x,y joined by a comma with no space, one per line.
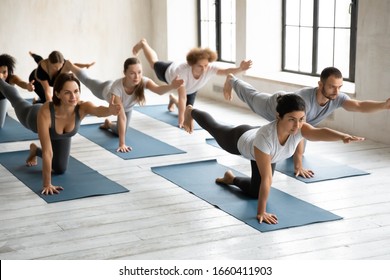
320,102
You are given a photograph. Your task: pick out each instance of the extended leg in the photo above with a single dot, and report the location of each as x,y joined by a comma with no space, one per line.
150,54
95,86
263,104
225,135
25,111
3,111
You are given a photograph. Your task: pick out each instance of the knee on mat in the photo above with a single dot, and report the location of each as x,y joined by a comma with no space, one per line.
59,170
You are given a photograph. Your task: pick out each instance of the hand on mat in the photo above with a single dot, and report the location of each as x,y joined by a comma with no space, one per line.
305,173
51,190
348,138
267,218
124,149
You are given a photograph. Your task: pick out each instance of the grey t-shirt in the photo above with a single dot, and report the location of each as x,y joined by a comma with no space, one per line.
264,104
266,140
314,112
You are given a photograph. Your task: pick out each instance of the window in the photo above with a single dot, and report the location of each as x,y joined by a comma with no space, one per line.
217,27
318,34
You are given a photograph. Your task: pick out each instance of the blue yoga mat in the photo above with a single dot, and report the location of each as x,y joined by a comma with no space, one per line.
78,181
13,131
324,169
143,145
199,179
161,113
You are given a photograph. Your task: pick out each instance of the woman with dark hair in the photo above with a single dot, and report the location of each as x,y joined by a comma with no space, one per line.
46,73
7,67
55,122
264,146
198,69
127,91
321,101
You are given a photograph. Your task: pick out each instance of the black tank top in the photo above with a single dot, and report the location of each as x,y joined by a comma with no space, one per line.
53,134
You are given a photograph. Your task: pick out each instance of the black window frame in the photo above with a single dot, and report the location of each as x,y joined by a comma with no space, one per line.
352,46
218,32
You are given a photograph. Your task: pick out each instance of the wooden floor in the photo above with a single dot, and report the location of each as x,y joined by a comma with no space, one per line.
159,220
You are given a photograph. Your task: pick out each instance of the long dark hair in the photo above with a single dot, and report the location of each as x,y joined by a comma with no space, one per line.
9,61
139,90
59,84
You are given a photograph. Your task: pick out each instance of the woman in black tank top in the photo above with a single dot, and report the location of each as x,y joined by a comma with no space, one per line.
55,122
46,73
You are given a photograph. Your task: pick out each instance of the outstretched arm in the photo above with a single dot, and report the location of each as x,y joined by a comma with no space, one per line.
84,65
244,65
162,89
366,106
326,134
15,80
263,162
99,111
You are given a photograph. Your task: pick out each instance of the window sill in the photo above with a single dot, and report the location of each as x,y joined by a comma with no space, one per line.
296,80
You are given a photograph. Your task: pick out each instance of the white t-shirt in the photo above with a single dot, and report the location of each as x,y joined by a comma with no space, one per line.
184,71
128,100
266,140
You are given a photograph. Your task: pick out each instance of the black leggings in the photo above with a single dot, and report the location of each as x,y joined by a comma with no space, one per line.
227,137
38,88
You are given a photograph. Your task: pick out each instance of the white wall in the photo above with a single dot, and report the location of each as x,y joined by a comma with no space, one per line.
372,63
84,31
105,31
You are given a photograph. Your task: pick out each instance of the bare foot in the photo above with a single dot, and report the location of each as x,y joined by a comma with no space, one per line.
32,157
227,178
188,123
227,88
172,102
106,125
137,47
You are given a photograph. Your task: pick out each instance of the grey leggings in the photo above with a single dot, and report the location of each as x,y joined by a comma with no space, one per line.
227,137
263,104
27,115
97,87
3,111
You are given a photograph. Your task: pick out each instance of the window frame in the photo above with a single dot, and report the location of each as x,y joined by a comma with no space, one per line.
218,29
352,44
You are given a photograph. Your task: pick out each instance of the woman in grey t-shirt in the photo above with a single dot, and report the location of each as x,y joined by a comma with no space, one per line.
264,146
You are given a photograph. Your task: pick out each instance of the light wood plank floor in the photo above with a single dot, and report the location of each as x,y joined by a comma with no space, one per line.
159,220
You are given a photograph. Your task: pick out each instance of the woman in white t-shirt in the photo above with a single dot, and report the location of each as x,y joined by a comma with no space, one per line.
128,91
198,69
264,146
